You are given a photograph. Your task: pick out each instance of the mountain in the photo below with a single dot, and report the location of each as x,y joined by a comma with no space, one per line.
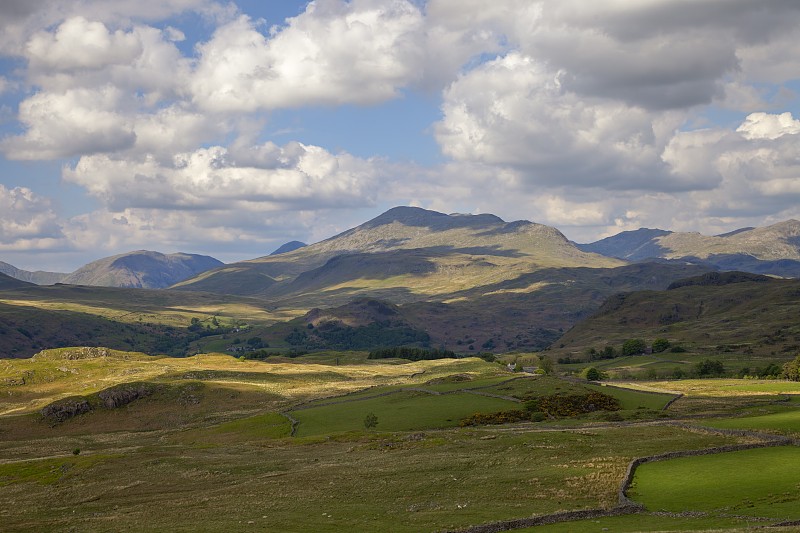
470,282
38,277
773,250
406,254
630,245
9,282
141,269
290,246
712,313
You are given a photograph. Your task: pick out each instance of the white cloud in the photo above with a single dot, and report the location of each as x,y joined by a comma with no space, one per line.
266,177
80,44
336,52
71,123
766,126
27,221
514,112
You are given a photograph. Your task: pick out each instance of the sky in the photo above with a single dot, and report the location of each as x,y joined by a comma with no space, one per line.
229,128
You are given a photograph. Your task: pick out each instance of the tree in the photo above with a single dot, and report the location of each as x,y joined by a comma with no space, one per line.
660,345
633,347
791,370
592,374
370,421
708,367
255,343
546,364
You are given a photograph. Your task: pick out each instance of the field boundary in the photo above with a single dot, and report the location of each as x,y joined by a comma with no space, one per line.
625,505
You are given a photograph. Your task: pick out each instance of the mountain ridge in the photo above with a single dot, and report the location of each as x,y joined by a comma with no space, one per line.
39,277
773,250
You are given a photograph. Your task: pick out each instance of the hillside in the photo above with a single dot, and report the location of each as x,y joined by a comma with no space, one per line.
34,317
773,250
38,277
753,316
9,282
141,269
406,254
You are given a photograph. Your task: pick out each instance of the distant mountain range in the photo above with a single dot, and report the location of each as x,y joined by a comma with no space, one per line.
39,277
463,282
406,254
470,282
141,269
773,250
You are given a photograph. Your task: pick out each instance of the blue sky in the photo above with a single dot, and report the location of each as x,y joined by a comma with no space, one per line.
228,128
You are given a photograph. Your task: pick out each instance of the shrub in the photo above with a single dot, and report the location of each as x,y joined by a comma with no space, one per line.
707,367
592,374
791,370
573,404
370,421
660,345
503,417
633,347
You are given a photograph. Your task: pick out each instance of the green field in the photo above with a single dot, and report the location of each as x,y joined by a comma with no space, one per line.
757,483
404,411
783,422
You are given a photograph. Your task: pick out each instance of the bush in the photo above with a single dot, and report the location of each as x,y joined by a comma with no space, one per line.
592,374
633,347
708,367
503,417
791,370
660,345
573,404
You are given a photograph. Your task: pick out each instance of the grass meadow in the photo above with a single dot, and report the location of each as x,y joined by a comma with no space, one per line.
211,448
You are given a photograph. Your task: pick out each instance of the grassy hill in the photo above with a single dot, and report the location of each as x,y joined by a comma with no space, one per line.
772,249
34,317
742,319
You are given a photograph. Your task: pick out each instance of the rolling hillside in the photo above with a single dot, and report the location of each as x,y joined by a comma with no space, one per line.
773,250
754,316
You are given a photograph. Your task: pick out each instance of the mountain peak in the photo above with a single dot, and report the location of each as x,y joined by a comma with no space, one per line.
290,246
417,216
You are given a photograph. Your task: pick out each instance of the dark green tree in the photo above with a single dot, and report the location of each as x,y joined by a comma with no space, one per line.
633,347
370,421
660,345
592,374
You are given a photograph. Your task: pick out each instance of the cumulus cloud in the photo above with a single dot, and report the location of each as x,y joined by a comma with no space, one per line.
253,178
514,111
79,43
74,122
335,52
27,221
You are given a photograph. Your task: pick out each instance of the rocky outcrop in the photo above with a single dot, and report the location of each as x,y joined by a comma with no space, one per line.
62,410
124,394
